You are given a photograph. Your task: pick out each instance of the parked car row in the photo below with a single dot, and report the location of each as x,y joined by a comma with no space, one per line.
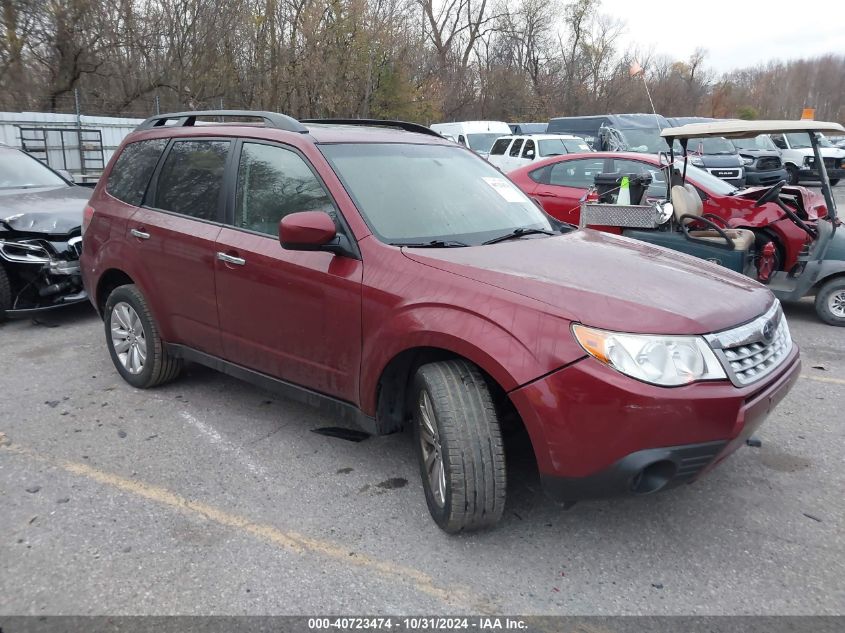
764,160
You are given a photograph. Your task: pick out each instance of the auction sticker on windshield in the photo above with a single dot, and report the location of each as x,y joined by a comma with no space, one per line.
505,189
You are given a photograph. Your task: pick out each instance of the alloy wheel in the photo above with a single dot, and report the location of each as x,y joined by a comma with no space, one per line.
836,303
128,338
432,450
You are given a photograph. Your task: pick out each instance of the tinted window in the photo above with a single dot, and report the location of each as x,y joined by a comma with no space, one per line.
500,146
191,179
576,173
131,173
416,193
517,144
272,183
528,150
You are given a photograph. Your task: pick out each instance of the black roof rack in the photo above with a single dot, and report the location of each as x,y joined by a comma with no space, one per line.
402,125
188,119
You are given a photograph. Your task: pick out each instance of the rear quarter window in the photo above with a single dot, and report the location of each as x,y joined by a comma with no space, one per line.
131,173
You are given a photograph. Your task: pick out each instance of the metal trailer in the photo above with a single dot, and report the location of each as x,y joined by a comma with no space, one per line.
79,145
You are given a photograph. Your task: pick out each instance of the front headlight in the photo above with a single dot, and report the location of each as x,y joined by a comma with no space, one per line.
667,361
747,161
697,161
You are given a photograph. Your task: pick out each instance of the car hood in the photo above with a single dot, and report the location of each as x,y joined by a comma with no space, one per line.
53,210
760,153
720,160
610,282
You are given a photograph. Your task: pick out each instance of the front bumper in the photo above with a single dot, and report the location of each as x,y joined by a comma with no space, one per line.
597,433
766,178
806,173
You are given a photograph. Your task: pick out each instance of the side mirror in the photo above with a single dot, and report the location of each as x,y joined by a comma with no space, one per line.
306,231
529,155
64,173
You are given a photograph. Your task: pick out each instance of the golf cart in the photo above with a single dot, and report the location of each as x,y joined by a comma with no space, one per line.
680,224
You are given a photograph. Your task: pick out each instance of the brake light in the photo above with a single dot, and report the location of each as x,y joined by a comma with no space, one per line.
87,214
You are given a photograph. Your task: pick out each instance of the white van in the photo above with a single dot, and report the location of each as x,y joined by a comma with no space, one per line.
798,157
517,150
479,136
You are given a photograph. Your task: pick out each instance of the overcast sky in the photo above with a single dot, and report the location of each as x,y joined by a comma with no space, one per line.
736,33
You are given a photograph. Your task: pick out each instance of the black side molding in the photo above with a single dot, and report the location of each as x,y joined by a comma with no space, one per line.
340,409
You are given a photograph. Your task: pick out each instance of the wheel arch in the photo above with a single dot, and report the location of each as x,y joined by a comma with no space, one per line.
112,278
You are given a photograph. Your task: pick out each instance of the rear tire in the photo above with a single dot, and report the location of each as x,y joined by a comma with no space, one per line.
456,429
5,293
791,175
830,302
133,339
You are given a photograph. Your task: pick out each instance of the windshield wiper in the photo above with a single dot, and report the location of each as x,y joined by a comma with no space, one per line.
432,244
519,232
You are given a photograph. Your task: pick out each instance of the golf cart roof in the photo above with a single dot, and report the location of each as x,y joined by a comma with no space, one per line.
749,129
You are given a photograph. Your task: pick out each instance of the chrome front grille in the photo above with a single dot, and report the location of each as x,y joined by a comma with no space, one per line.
754,350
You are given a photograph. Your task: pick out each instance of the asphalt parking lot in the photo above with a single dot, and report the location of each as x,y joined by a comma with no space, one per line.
209,496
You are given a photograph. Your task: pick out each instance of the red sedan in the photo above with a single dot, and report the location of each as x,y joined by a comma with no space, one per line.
561,182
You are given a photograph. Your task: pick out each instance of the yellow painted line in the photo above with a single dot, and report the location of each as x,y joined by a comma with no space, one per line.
835,381
284,539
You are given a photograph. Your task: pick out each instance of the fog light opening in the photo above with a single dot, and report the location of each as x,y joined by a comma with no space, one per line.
653,477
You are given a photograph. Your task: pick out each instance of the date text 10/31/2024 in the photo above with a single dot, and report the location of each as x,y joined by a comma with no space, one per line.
420,623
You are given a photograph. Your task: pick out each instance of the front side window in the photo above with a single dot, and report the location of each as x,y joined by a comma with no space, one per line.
191,179
500,146
417,193
19,170
131,173
272,183
517,145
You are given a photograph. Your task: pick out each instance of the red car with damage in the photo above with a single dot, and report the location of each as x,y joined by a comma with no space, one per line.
560,183
393,278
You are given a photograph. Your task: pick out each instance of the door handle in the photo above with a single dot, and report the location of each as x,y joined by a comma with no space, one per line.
141,235
231,259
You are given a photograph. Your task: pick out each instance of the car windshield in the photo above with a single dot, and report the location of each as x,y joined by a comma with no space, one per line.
559,146
482,142
710,145
758,142
801,140
421,193
21,171
645,140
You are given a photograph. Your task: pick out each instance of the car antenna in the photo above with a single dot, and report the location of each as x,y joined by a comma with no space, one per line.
636,70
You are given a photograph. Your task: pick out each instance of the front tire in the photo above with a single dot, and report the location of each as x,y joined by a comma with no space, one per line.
133,339
791,175
830,302
5,293
459,445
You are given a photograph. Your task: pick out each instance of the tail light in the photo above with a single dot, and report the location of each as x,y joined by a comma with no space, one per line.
87,214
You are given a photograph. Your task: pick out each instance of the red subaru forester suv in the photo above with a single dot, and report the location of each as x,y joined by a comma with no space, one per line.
381,272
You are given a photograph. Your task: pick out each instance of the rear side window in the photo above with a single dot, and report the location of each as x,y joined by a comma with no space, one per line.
131,173
500,146
191,179
517,145
272,183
